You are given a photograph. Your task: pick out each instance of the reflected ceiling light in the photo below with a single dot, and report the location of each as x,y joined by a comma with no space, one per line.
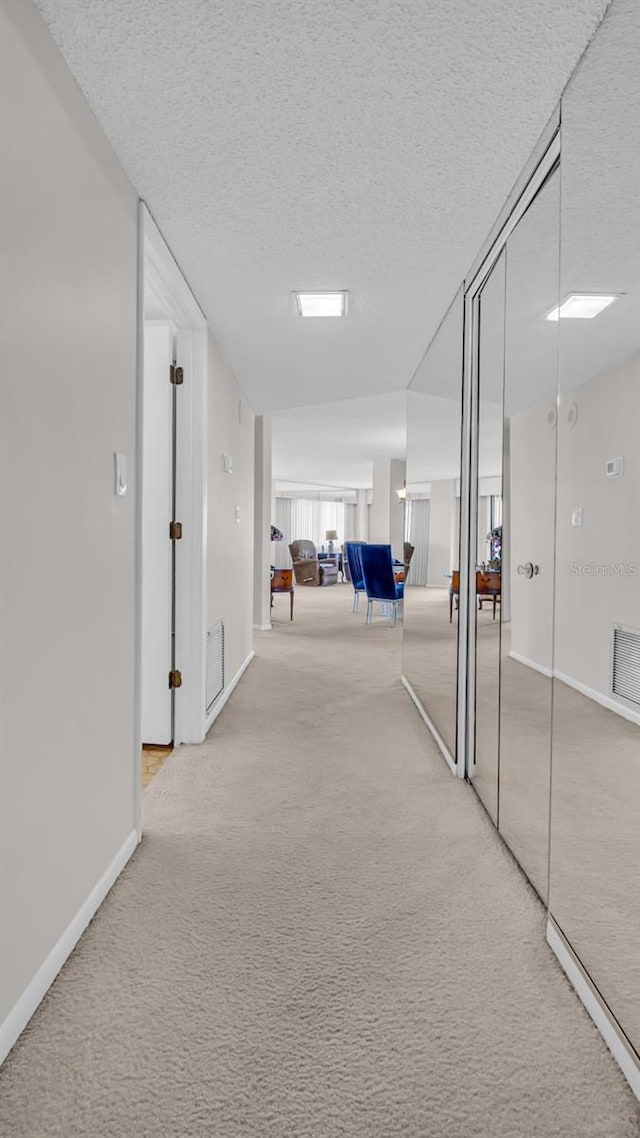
321,303
580,306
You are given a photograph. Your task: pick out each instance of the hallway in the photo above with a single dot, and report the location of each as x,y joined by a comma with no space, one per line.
320,935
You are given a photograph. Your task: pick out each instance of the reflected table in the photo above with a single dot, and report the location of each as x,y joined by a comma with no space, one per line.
282,582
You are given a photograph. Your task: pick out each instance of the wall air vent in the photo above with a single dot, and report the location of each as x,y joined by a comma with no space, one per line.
215,663
626,663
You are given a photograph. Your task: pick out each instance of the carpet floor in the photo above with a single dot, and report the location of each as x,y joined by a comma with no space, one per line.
321,935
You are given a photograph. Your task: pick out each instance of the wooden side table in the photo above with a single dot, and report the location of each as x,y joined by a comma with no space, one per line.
282,582
488,587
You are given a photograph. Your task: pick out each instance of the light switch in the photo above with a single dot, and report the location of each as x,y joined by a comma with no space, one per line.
120,473
576,516
227,464
615,467
237,513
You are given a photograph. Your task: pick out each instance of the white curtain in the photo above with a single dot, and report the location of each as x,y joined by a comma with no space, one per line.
417,529
303,518
280,549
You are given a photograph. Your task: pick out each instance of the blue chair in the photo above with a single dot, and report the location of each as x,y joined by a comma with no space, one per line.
352,549
379,579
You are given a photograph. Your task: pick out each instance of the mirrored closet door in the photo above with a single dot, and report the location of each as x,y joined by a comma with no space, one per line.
594,895
526,535
513,577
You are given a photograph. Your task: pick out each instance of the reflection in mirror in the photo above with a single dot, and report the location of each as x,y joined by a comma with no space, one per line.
595,810
432,526
527,559
490,317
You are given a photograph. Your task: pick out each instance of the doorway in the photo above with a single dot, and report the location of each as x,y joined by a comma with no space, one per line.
171,504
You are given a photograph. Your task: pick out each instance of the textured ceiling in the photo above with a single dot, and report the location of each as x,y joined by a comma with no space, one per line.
367,144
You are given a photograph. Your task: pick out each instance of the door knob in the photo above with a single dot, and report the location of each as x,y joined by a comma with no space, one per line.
528,570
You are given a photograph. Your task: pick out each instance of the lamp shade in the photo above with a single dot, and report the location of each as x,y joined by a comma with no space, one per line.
331,535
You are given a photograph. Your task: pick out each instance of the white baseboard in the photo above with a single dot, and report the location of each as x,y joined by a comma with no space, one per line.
531,664
262,627
21,1012
604,700
222,699
621,1050
451,763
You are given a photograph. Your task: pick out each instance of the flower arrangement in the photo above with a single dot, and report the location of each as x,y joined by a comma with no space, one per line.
494,537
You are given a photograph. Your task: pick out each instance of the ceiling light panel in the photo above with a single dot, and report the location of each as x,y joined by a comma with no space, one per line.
321,303
581,306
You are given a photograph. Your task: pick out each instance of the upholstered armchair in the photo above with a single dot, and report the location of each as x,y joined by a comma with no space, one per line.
409,551
308,569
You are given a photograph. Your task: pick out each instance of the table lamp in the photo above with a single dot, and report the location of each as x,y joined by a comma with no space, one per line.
330,536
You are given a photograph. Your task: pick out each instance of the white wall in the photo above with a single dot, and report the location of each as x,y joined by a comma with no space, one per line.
264,510
386,518
67,679
442,532
379,509
589,599
532,470
362,516
230,561
396,508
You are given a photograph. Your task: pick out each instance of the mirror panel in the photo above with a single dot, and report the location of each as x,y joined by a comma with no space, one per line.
430,641
595,811
490,363
527,533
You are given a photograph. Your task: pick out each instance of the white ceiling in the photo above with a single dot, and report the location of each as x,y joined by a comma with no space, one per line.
335,444
365,145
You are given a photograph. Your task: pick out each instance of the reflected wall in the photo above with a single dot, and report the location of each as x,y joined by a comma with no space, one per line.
434,415
595,810
527,556
489,315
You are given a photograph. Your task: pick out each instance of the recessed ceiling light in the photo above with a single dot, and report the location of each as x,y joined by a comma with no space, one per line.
580,306
321,303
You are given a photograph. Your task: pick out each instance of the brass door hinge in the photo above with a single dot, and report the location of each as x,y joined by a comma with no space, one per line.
175,679
175,531
176,375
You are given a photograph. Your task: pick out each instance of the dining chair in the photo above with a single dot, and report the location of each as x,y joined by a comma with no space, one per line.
353,552
379,579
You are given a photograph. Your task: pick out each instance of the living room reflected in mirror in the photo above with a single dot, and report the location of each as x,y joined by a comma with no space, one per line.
432,527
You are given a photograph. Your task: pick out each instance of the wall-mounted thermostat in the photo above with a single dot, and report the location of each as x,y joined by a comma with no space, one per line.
615,467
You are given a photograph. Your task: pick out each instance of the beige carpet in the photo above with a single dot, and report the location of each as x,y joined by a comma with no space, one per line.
320,936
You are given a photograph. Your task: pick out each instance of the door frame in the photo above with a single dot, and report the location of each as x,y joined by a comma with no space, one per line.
543,160
161,283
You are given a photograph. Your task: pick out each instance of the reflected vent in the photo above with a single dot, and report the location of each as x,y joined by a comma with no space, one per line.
626,664
215,662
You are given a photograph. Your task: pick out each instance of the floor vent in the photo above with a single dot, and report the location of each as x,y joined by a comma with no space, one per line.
215,662
626,663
